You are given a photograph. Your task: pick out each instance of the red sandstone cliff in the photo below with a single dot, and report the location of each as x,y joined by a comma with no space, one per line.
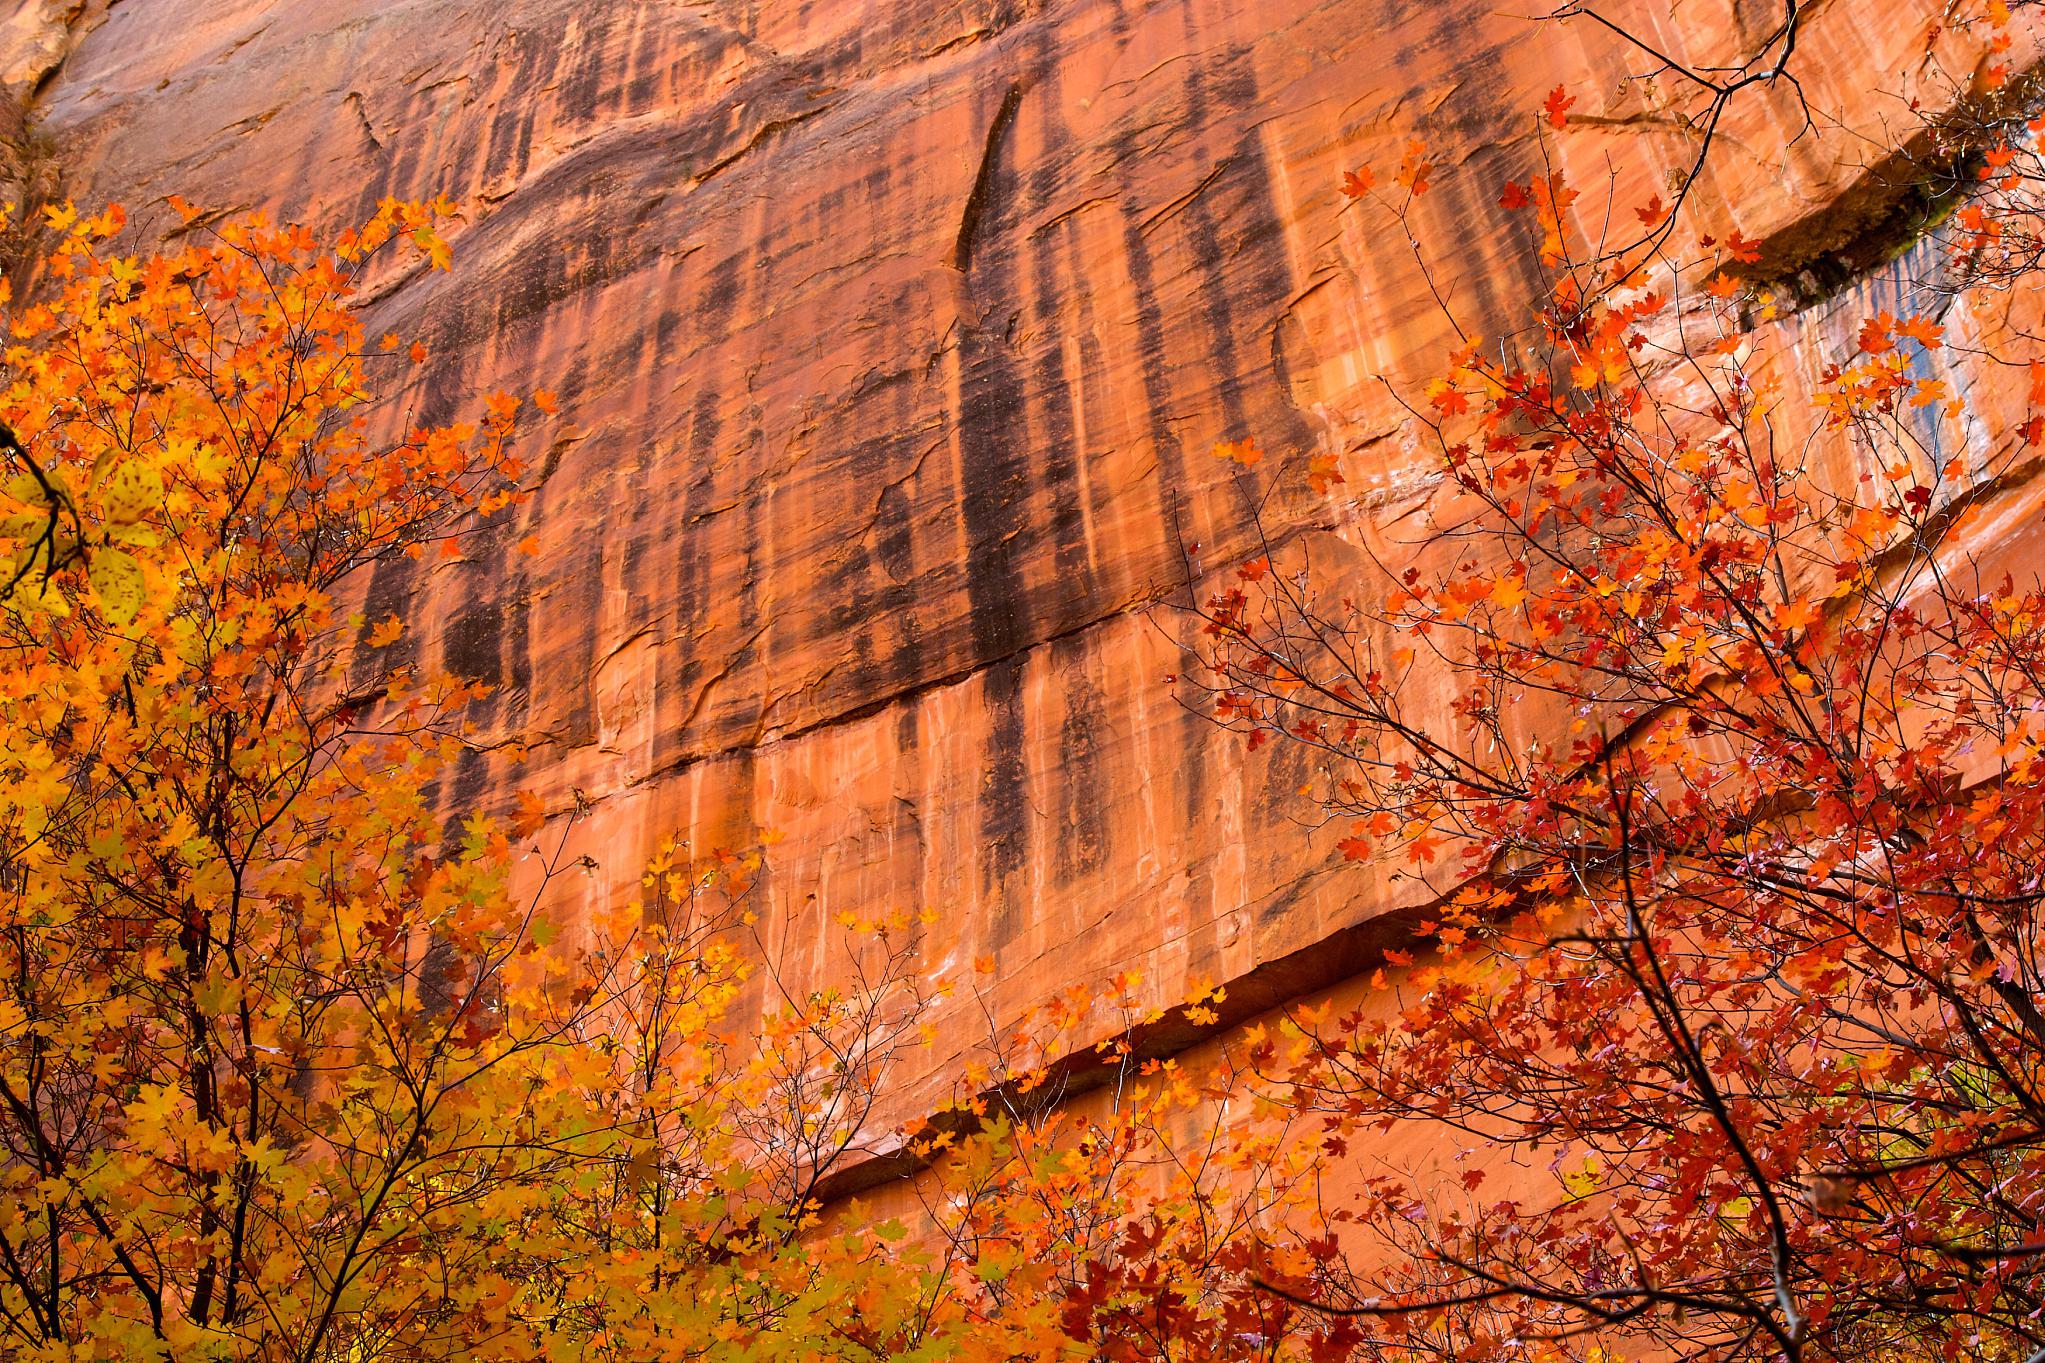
892,339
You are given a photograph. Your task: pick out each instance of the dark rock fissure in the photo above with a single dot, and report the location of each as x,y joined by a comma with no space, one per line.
1893,205
983,182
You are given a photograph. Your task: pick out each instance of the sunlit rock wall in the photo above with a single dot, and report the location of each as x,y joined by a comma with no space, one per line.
893,338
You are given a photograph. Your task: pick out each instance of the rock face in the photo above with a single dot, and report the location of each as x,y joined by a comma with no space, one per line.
893,338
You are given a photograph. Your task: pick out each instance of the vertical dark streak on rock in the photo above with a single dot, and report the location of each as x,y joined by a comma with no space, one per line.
1082,831
578,90
575,588
1197,775
1072,597
983,181
876,608
689,591
994,502
1004,796
469,646
756,505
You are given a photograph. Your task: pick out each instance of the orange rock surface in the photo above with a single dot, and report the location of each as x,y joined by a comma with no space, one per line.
893,338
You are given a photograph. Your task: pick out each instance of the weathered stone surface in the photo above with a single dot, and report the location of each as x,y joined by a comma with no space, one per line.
892,338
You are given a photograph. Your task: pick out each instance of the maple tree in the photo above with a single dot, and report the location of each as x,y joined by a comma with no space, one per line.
1707,733
287,1069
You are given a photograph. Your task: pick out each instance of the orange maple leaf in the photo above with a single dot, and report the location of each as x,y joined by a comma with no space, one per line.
1323,471
1876,334
531,814
1924,331
1415,168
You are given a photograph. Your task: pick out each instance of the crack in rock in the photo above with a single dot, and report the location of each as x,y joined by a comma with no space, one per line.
983,180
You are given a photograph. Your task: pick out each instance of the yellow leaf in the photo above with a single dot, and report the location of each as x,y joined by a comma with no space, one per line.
387,632
132,492
117,580
38,595
141,536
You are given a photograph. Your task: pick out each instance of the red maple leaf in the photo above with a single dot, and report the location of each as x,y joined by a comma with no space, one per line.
1556,106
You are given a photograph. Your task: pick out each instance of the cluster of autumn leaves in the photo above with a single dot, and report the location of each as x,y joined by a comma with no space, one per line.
1703,721
1708,751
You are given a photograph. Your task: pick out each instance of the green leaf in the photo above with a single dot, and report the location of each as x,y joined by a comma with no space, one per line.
117,579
